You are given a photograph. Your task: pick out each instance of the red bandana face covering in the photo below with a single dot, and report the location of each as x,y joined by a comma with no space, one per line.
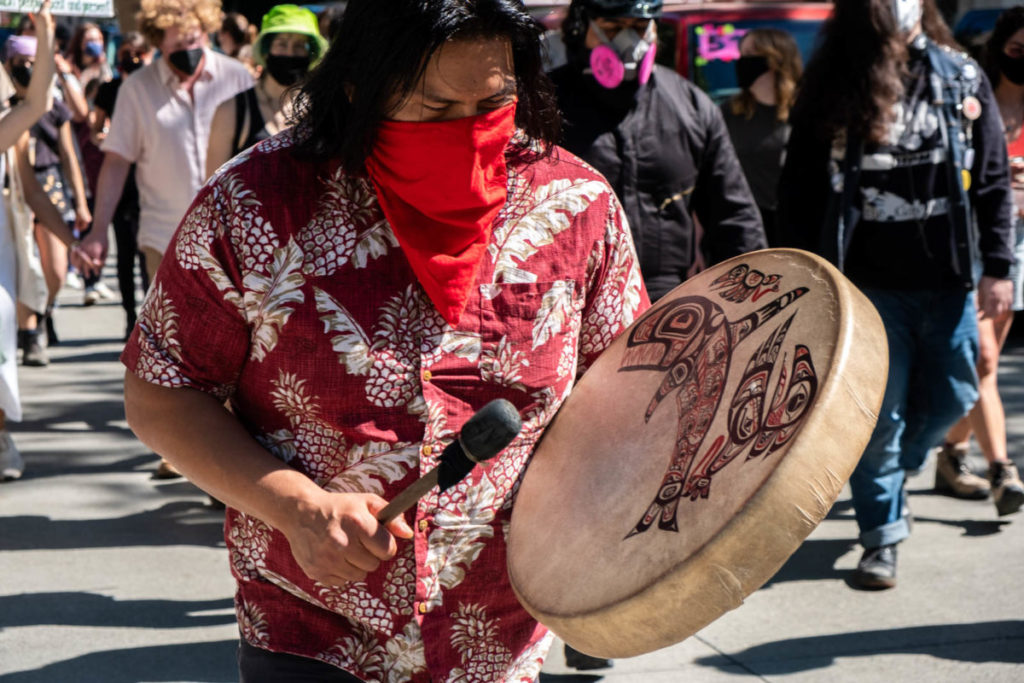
441,185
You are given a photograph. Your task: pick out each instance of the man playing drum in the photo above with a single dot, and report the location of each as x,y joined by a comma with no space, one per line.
354,289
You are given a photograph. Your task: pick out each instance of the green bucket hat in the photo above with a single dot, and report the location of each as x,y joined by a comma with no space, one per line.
289,19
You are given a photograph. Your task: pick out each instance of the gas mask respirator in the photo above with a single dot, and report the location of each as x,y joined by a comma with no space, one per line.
628,57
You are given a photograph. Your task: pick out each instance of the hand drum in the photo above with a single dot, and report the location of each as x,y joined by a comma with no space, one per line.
697,453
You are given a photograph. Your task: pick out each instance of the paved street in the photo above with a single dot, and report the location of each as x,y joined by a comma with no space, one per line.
107,576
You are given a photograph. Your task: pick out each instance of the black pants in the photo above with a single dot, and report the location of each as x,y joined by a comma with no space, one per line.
256,665
126,230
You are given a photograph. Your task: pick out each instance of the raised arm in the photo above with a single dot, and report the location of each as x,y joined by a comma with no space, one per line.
39,95
74,97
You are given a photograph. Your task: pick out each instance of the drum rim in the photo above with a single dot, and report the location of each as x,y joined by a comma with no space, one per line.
852,336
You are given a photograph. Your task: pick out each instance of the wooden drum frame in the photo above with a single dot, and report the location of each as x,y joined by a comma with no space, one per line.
697,453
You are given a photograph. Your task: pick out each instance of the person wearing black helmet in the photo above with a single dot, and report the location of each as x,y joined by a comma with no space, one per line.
659,140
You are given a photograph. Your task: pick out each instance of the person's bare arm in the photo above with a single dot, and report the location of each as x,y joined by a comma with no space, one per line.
222,134
73,172
109,188
334,537
45,212
74,98
39,94
98,126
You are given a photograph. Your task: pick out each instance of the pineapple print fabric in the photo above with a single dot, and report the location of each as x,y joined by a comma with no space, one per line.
285,293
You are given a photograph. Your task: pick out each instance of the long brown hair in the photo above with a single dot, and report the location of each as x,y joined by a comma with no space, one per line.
856,76
784,61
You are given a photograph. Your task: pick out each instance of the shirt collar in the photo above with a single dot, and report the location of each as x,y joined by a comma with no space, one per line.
170,78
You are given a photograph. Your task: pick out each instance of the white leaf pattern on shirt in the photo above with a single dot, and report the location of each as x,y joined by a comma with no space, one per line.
555,311
269,299
459,537
552,211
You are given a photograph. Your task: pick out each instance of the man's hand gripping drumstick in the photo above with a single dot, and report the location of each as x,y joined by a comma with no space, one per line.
351,537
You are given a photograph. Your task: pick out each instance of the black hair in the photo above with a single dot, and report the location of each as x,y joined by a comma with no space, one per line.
574,27
856,74
1008,23
377,55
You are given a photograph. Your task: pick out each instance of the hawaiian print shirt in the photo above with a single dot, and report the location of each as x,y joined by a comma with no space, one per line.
288,296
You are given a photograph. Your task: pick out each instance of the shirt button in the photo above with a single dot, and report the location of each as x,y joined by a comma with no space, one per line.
424,524
427,375
422,609
428,449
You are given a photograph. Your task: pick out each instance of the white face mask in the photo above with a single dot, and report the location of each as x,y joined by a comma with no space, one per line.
907,13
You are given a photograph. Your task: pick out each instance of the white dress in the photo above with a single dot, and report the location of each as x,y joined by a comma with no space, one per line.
10,402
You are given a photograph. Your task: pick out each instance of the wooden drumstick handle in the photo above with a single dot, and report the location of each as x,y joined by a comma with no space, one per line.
407,498
482,437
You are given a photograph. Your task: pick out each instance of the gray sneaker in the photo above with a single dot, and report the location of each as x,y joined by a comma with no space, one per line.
954,477
876,569
1007,488
33,354
11,463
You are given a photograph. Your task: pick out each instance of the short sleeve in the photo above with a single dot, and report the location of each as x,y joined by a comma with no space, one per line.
127,126
615,292
60,114
192,330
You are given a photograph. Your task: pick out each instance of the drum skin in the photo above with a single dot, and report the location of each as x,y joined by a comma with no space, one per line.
697,453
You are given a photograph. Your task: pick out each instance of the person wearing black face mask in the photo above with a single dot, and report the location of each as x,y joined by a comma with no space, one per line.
162,126
659,140
767,72
289,43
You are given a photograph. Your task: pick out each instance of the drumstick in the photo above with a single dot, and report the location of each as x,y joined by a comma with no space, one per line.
482,437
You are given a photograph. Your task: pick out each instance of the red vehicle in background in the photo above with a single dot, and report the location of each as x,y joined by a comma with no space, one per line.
700,40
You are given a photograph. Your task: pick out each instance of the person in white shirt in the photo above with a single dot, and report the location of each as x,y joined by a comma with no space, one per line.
162,125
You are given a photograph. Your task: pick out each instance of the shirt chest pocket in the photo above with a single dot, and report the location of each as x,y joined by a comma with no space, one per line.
529,333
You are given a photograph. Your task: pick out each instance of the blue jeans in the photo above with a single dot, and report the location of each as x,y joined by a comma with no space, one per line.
933,350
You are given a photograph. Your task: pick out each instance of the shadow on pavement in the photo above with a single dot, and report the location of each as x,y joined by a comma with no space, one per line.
569,678
982,642
815,559
198,662
176,523
59,463
91,609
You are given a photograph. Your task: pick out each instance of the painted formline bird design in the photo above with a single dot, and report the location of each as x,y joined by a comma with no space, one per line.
692,342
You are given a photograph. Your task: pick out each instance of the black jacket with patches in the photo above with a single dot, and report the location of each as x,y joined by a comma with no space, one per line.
666,152
823,191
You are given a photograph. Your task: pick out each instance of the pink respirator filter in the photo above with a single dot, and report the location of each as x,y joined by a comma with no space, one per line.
607,67
609,71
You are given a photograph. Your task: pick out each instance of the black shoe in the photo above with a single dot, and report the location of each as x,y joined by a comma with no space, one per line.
876,569
582,662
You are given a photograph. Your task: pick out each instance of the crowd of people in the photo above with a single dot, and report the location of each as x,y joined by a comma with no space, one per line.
318,208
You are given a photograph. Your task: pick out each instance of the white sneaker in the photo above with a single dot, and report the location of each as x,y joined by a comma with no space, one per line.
74,280
11,462
91,296
105,292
